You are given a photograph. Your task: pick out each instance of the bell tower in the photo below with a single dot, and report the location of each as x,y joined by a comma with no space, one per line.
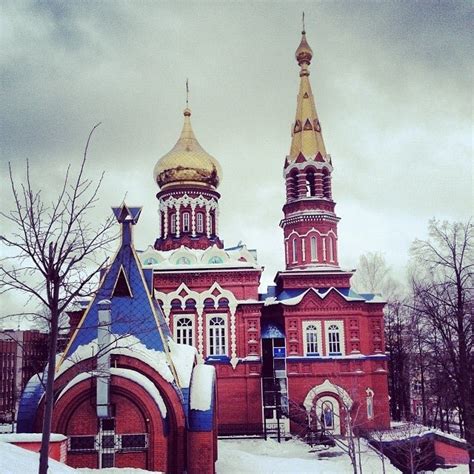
310,223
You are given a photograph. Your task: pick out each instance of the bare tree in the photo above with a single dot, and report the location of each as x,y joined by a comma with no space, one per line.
443,281
56,255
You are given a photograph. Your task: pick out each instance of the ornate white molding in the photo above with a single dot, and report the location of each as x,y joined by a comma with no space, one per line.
327,387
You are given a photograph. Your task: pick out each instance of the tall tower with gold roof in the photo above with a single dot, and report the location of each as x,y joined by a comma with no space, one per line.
309,223
188,178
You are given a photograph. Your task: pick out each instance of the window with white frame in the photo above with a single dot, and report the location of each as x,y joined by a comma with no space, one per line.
186,222
216,330
184,330
293,246
324,249
199,223
334,337
331,249
173,223
314,249
303,249
312,338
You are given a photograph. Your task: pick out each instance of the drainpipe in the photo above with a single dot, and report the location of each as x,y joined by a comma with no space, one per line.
103,359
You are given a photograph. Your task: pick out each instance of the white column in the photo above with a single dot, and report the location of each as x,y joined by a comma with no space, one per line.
178,220
233,338
165,223
200,334
208,221
193,218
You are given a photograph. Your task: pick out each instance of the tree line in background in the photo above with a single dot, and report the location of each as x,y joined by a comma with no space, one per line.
429,324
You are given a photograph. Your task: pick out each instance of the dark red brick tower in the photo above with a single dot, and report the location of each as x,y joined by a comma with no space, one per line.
310,223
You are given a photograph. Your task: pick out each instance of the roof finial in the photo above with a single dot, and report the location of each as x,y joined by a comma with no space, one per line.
187,110
304,29
187,92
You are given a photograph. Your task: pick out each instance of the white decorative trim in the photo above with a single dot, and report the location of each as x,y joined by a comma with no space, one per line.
200,298
312,230
340,326
319,335
327,386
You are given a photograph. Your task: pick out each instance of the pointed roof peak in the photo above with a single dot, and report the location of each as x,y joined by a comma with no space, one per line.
306,138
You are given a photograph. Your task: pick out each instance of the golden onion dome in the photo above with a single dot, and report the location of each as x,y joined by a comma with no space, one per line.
187,161
303,53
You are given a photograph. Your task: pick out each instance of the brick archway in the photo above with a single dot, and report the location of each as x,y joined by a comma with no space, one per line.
136,412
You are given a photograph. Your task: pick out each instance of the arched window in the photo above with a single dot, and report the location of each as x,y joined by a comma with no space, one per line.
312,340
208,303
314,249
331,249
184,330
183,261
212,222
190,303
150,261
215,259
293,247
310,184
223,303
199,222
173,223
334,340
217,337
186,222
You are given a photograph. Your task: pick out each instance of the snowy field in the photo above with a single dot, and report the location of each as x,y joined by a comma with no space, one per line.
250,456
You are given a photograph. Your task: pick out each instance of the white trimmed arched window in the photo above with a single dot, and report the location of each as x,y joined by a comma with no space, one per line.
312,338
334,338
184,330
199,223
314,248
186,222
173,223
331,249
293,250
217,344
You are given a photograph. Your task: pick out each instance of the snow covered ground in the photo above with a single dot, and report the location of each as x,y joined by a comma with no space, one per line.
244,456
293,456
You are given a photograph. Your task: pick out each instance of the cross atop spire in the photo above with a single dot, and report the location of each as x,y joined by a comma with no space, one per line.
187,93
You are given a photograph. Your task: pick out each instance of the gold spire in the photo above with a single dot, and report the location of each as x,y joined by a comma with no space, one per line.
187,161
307,139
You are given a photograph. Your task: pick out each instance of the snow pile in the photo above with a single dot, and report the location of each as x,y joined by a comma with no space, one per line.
404,430
124,345
183,357
202,387
15,460
29,437
145,383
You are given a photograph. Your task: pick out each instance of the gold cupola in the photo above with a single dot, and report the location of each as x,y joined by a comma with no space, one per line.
306,138
187,162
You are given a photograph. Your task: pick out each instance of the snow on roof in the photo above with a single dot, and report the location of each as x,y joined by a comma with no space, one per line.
211,258
183,357
75,380
29,437
15,460
202,387
145,383
124,345
289,299
412,430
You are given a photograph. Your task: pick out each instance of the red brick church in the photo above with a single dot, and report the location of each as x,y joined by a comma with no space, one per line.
309,349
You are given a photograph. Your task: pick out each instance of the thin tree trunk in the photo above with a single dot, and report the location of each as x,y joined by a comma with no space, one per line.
49,398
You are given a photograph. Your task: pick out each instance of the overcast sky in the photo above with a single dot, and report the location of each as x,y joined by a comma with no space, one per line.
392,82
